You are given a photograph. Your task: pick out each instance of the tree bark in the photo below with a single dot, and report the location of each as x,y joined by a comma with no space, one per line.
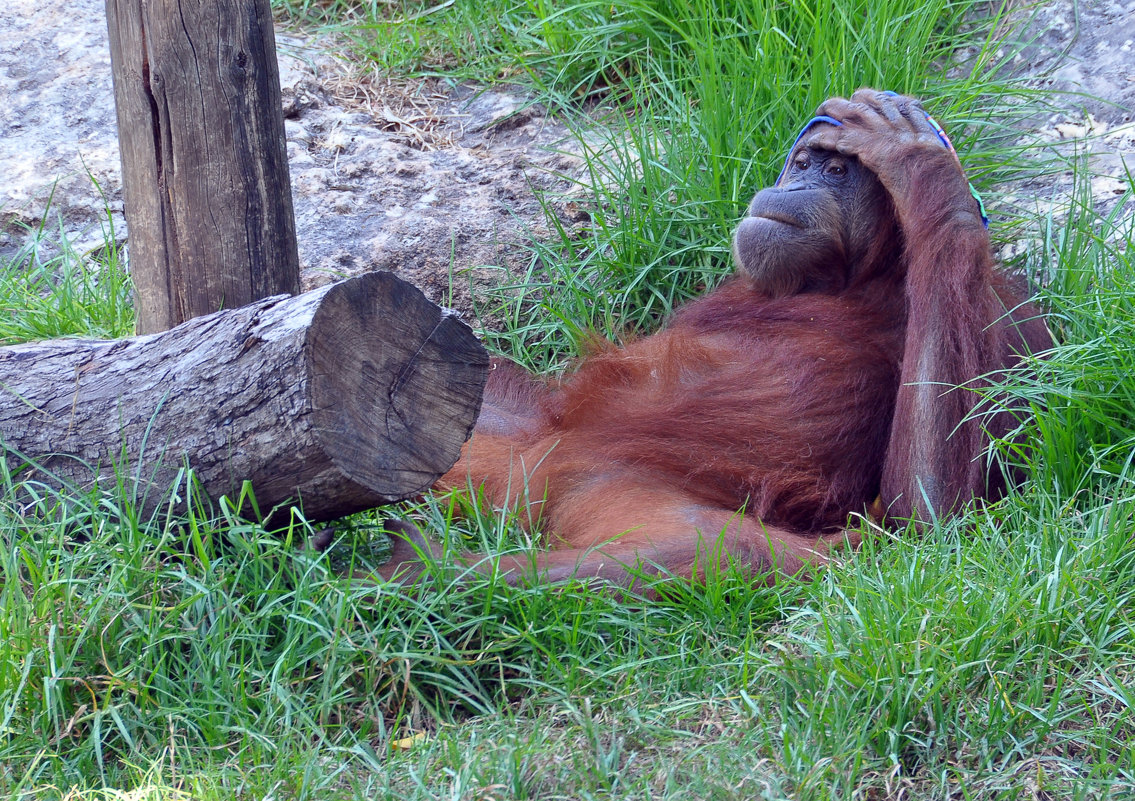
204,157
344,398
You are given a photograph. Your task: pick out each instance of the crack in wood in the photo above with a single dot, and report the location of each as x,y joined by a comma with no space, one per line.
402,378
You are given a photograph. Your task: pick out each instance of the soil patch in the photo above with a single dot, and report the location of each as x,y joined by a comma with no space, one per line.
437,183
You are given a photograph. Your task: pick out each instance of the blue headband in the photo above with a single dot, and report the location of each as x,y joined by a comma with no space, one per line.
933,124
807,127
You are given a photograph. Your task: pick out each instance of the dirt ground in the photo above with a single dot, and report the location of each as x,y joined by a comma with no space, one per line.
1086,51
437,184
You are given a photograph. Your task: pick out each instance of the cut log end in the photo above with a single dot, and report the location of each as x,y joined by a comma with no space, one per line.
393,380
341,399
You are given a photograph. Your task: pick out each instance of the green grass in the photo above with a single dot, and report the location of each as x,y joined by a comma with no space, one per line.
49,290
684,110
201,656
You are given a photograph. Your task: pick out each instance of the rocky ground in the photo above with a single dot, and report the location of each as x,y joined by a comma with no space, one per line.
434,183
1086,51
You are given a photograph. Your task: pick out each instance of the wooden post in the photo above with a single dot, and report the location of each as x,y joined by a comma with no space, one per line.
204,158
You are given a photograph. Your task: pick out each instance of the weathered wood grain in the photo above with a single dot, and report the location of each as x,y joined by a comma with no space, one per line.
204,158
344,398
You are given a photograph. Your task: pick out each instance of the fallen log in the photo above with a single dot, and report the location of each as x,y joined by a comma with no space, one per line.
340,399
